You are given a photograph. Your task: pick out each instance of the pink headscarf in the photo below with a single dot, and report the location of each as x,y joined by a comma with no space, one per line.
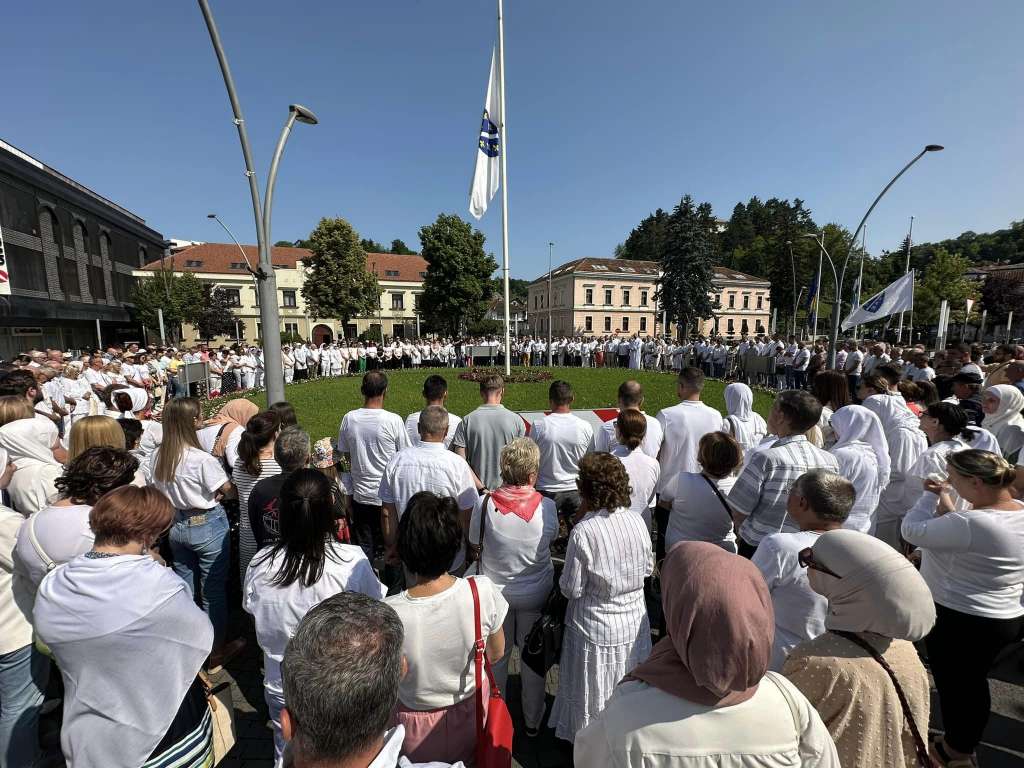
720,627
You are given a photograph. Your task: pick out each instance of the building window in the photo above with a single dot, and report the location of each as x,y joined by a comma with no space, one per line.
760,301
625,324
288,299
643,298
729,326
398,301
625,297
732,301
746,301
292,329
607,324
234,296
588,323
608,296
588,296
194,263
238,265
536,301
744,328
643,324
390,273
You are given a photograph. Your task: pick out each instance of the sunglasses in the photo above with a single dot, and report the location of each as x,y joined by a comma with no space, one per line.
806,560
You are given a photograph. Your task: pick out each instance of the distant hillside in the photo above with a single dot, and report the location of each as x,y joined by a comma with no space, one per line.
1005,246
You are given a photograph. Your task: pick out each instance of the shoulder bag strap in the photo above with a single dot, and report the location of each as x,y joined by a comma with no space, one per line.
480,543
923,757
46,559
718,493
478,657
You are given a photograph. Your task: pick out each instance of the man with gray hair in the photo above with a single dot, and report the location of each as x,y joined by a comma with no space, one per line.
819,500
341,672
426,466
291,452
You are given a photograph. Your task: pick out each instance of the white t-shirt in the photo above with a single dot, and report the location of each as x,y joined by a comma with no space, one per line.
412,425
61,532
644,473
563,439
208,437
439,639
684,425
371,436
799,610
516,554
697,512
278,610
197,478
605,439
427,467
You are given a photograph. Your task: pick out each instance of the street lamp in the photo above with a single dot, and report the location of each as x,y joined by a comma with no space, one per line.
255,274
853,240
836,305
269,315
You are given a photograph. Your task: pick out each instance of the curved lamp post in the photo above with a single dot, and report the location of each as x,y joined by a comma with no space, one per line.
835,277
792,263
270,318
842,275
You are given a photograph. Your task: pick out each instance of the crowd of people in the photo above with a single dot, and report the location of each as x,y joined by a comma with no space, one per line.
738,590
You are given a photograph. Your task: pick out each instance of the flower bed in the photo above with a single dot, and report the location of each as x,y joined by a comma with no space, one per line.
518,376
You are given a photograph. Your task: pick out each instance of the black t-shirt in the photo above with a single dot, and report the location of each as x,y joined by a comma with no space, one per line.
263,505
973,407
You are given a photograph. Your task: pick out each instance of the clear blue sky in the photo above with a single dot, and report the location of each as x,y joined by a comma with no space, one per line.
614,108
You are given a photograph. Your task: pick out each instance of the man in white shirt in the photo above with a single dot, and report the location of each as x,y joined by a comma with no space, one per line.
369,437
801,360
563,439
300,358
921,371
683,426
631,397
853,367
426,466
435,392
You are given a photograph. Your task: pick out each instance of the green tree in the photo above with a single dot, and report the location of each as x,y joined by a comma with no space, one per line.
337,283
647,240
399,247
943,279
458,282
372,246
178,294
687,261
1001,295
215,315
285,244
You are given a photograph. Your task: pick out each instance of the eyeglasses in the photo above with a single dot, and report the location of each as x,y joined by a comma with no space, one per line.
806,560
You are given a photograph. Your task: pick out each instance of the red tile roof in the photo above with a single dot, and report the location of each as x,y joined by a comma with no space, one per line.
224,258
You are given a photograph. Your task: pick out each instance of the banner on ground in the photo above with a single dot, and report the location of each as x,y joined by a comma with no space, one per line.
487,173
896,297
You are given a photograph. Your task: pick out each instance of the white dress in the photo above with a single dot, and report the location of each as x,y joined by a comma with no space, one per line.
606,628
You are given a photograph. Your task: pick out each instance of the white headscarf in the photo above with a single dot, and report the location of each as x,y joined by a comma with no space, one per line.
139,398
748,427
983,440
893,412
26,444
1011,402
855,423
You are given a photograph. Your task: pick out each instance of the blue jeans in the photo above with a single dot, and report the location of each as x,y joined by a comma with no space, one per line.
23,677
203,552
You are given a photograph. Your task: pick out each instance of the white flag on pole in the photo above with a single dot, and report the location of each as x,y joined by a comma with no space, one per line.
487,174
896,297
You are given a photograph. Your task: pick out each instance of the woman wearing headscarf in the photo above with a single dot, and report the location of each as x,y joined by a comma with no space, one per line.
863,456
607,631
859,673
221,433
1002,405
35,469
114,617
946,427
705,697
743,423
906,443
78,394
136,403
973,561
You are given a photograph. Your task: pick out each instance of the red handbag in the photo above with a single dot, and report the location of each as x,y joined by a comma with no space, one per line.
495,731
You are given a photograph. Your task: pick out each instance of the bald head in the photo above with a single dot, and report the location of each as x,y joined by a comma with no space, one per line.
631,394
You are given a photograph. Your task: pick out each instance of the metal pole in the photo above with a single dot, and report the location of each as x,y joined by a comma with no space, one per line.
837,304
906,268
99,335
792,262
241,250
856,232
550,248
817,293
503,157
160,319
980,335
1009,327
860,278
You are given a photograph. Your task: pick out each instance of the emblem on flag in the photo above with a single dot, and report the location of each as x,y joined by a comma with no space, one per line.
875,303
489,141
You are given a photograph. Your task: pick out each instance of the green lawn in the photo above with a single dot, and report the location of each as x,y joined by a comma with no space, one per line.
321,403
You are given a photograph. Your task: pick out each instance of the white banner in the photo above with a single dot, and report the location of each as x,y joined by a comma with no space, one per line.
5,275
487,172
896,297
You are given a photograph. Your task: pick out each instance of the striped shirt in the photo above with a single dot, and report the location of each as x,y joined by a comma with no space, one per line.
762,489
244,483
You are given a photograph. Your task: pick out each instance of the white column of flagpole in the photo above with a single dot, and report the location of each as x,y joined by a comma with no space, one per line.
860,278
503,156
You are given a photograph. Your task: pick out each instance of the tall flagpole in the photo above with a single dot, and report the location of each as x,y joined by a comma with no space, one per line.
502,156
860,277
899,330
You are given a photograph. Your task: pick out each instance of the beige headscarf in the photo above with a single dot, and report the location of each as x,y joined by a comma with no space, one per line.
879,592
234,415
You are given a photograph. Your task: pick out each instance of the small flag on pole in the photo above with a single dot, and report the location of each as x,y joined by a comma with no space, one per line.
896,297
487,174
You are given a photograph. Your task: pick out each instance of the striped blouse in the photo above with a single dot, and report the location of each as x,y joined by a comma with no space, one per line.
245,482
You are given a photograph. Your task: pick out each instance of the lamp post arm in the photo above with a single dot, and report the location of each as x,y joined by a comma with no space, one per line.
268,198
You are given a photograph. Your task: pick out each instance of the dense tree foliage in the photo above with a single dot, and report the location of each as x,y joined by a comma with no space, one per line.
337,283
458,284
687,259
179,295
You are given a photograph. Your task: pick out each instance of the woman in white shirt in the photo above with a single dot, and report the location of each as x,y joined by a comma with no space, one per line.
78,394
705,696
863,456
743,423
518,527
1002,405
644,471
24,444
436,698
607,631
973,562
697,499
135,403
254,463
946,427
195,482
304,567
833,392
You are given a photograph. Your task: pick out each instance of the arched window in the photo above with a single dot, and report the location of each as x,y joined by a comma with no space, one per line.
47,215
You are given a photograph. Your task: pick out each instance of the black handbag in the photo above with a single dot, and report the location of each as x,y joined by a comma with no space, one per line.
544,641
